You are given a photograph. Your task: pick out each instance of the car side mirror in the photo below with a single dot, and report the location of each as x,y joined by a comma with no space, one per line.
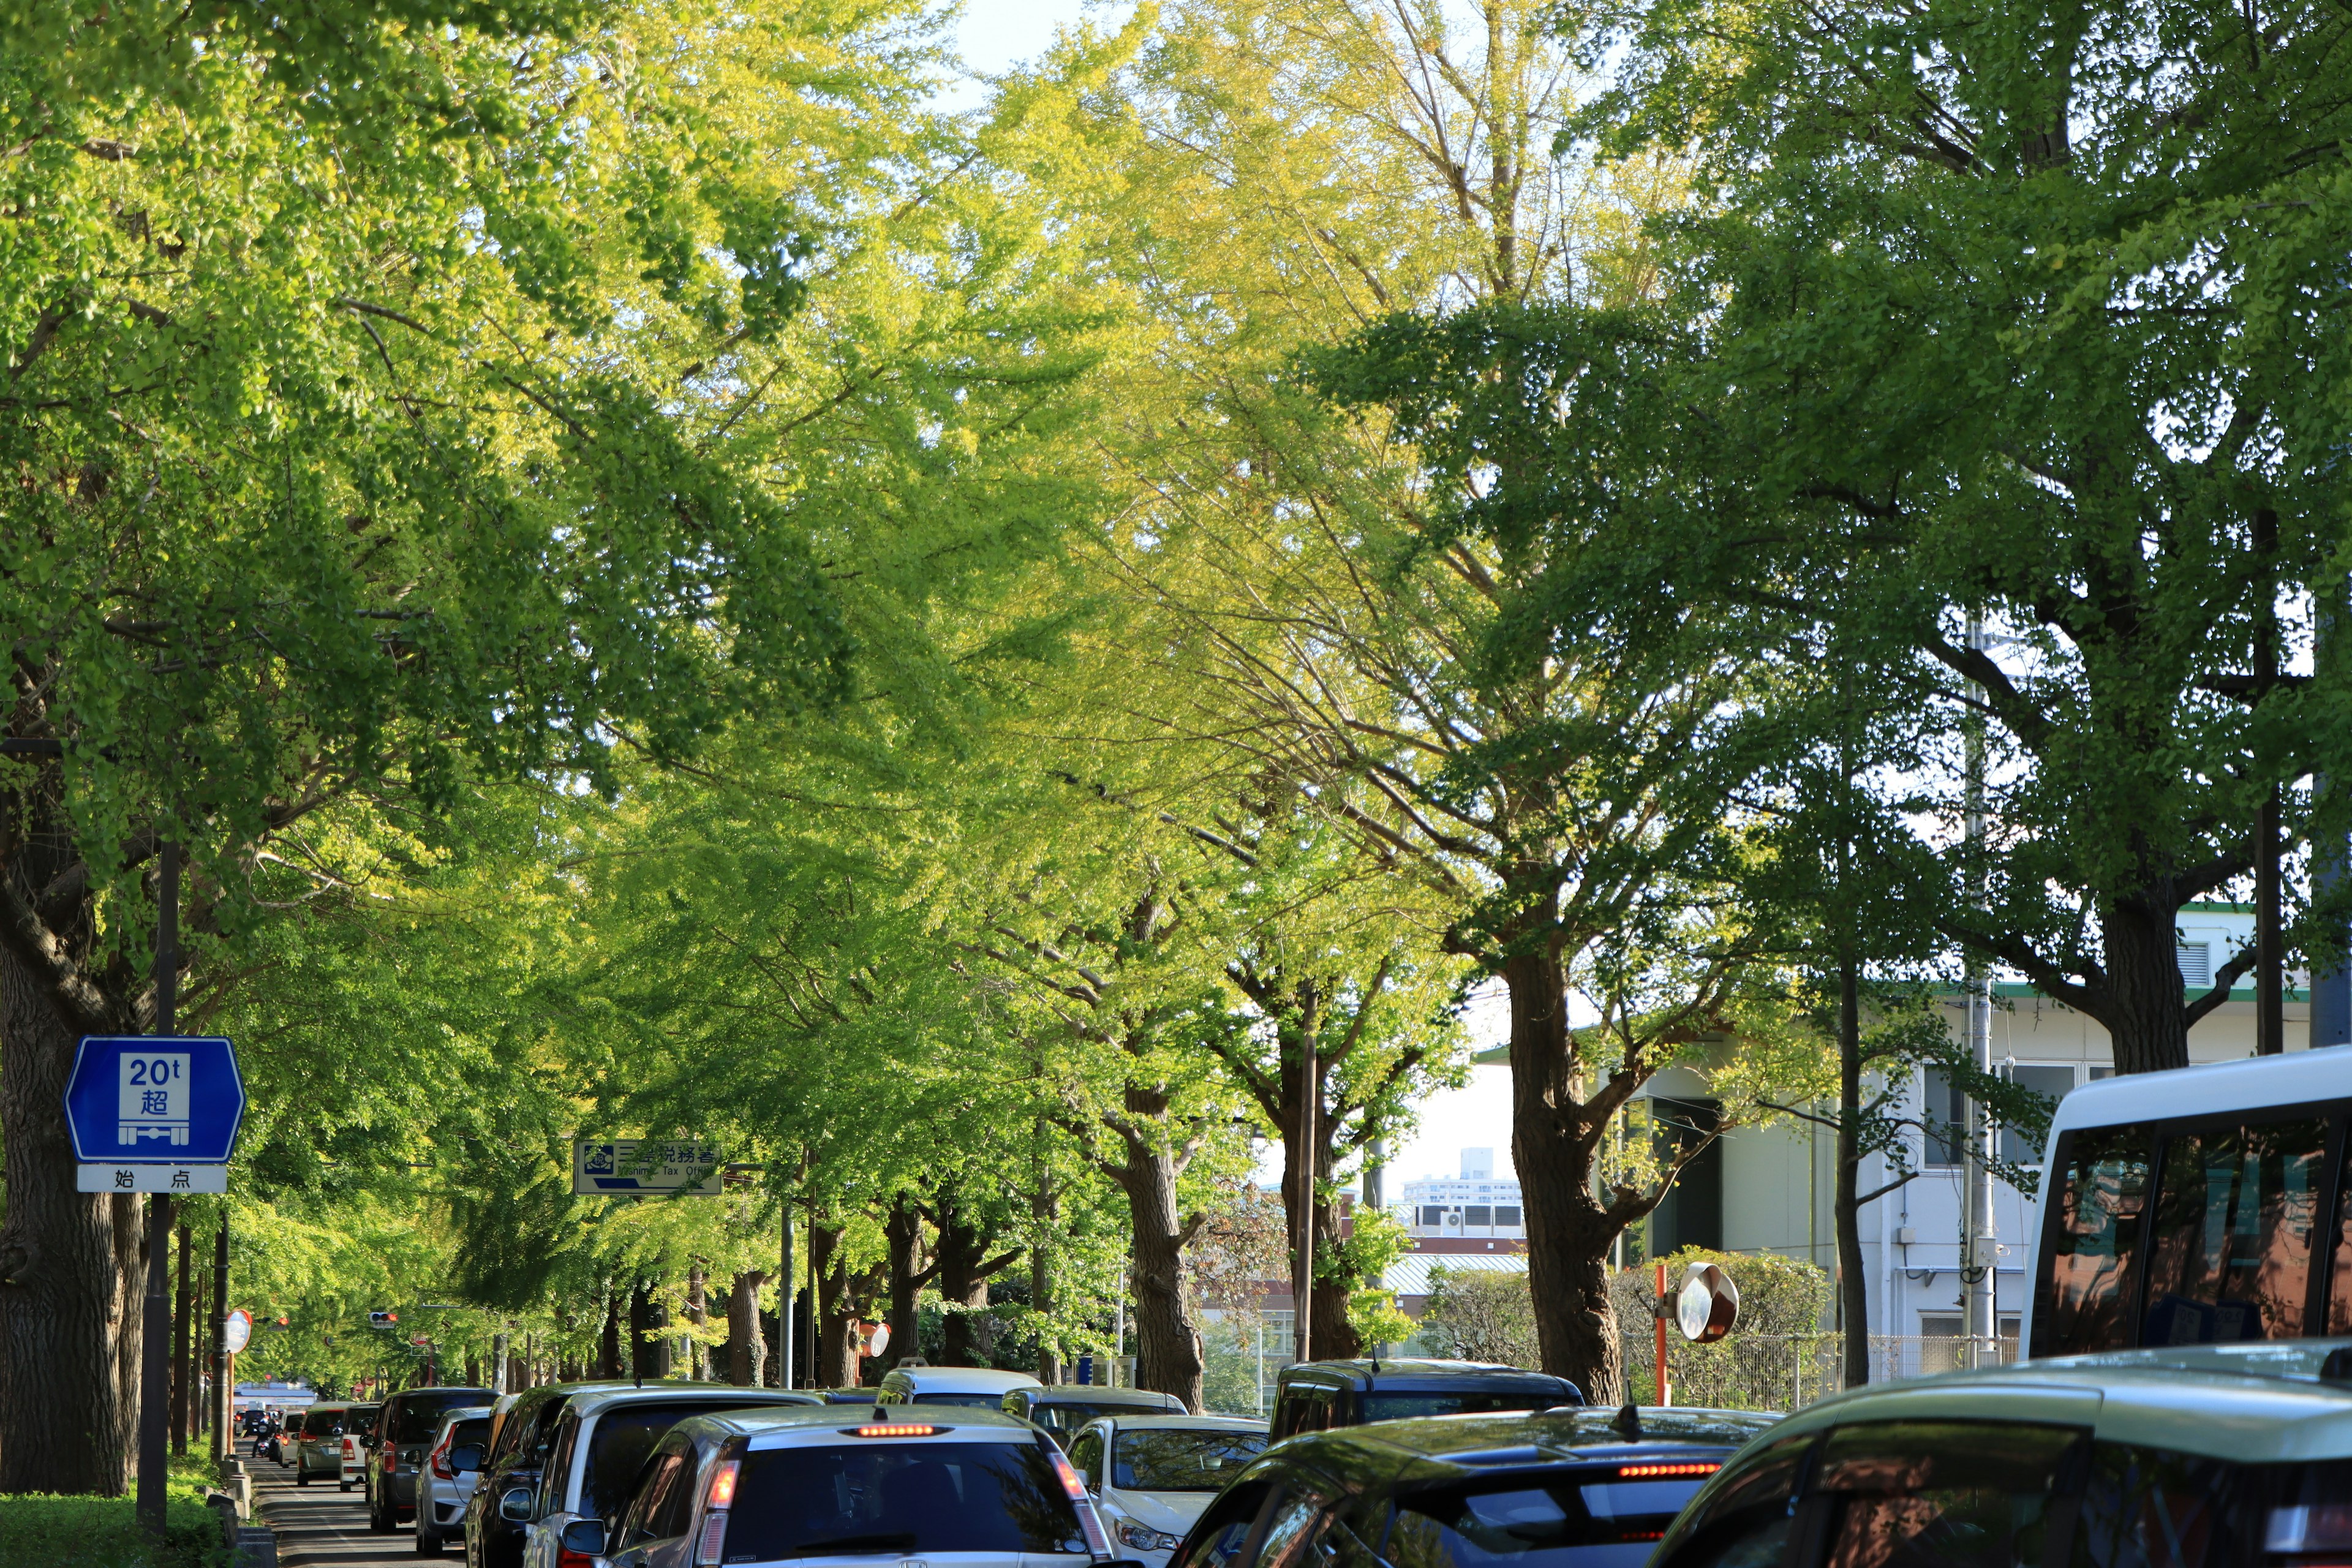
469,1458
584,1536
515,1506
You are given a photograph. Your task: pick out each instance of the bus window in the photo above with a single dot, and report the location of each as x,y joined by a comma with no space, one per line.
2090,1251
2236,1210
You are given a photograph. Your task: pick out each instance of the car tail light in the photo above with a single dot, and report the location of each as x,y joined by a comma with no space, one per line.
719,1499
2313,1527
1662,1472
896,1429
566,1558
437,1461
391,1460
1097,1543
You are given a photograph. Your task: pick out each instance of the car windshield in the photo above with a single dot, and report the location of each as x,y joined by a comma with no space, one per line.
893,1498
1170,1460
624,1437
420,1414
1465,1402
1586,1520
970,1401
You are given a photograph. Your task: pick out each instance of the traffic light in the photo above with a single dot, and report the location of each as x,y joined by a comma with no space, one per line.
383,1319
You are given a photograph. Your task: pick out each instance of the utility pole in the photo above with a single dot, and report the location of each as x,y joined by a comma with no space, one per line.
155,1322
1977,1248
784,1283
2270,954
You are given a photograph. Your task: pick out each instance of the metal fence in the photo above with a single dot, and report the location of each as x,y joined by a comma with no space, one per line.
1788,1371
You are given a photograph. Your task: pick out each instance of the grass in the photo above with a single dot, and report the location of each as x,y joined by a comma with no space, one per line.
45,1531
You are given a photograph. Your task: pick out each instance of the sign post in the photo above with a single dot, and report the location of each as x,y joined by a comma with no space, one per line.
155,1114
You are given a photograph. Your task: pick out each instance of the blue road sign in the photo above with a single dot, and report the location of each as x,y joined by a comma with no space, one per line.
148,1100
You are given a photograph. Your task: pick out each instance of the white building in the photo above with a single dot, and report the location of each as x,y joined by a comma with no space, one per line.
1473,1204
1769,1189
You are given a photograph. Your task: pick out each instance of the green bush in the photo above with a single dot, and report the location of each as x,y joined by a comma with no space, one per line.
42,1530
1478,1315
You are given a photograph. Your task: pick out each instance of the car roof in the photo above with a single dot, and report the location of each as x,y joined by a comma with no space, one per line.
1414,1373
1437,1447
591,1402
780,1426
437,1388
1169,1421
1099,1394
964,1379
464,1412
2260,1403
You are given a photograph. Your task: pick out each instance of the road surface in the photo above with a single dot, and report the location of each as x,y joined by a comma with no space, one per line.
319,1526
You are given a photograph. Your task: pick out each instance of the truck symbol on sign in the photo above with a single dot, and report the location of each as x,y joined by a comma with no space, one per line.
153,1100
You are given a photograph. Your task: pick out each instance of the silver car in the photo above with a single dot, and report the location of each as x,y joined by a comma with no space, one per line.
599,1445
445,1480
970,1487
1151,1475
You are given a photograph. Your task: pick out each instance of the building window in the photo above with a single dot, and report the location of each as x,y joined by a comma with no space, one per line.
1479,1213
1944,1110
1433,1215
1507,1215
2196,962
2056,1082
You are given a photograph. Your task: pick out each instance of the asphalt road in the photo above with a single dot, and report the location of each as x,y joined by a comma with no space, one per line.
319,1526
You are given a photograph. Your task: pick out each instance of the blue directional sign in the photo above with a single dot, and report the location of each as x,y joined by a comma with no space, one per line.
148,1100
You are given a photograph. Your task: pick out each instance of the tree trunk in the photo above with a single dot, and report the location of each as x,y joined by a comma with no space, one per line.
2148,1021
608,1344
62,1427
1853,1282
697,1313
127,1320
842,1299
746,1355
648,1347
1569,1232
963,1268
1167,1349
904,1232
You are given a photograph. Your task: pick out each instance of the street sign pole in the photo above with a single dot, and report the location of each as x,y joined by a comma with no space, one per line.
155,1330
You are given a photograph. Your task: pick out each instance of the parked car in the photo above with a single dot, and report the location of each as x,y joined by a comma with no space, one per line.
602,1441
319,1446
453,1462
845,1395
1061,1408
1317,1395
521,1437
982,1388
2202,1457
969,1487
1150,1474
359,1433
1563,1488
402,1432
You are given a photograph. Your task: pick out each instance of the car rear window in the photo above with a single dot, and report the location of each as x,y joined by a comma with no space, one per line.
1068,1415
418,1415
323,1423
1588,1518
1468,1402
873,1498
968,1401
624,1437
1173,1460
362,1417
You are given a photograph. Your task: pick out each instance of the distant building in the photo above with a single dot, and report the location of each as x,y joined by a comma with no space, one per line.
1473,1206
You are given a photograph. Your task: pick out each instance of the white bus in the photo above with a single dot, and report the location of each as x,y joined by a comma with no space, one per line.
2205,1205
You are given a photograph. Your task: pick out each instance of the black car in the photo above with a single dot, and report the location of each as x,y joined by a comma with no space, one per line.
404,1430
1563,1488
1317,1395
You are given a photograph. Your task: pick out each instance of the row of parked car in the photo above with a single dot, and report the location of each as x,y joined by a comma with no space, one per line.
2202,1457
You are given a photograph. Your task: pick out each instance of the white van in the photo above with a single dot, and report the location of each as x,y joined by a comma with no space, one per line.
2204,1206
